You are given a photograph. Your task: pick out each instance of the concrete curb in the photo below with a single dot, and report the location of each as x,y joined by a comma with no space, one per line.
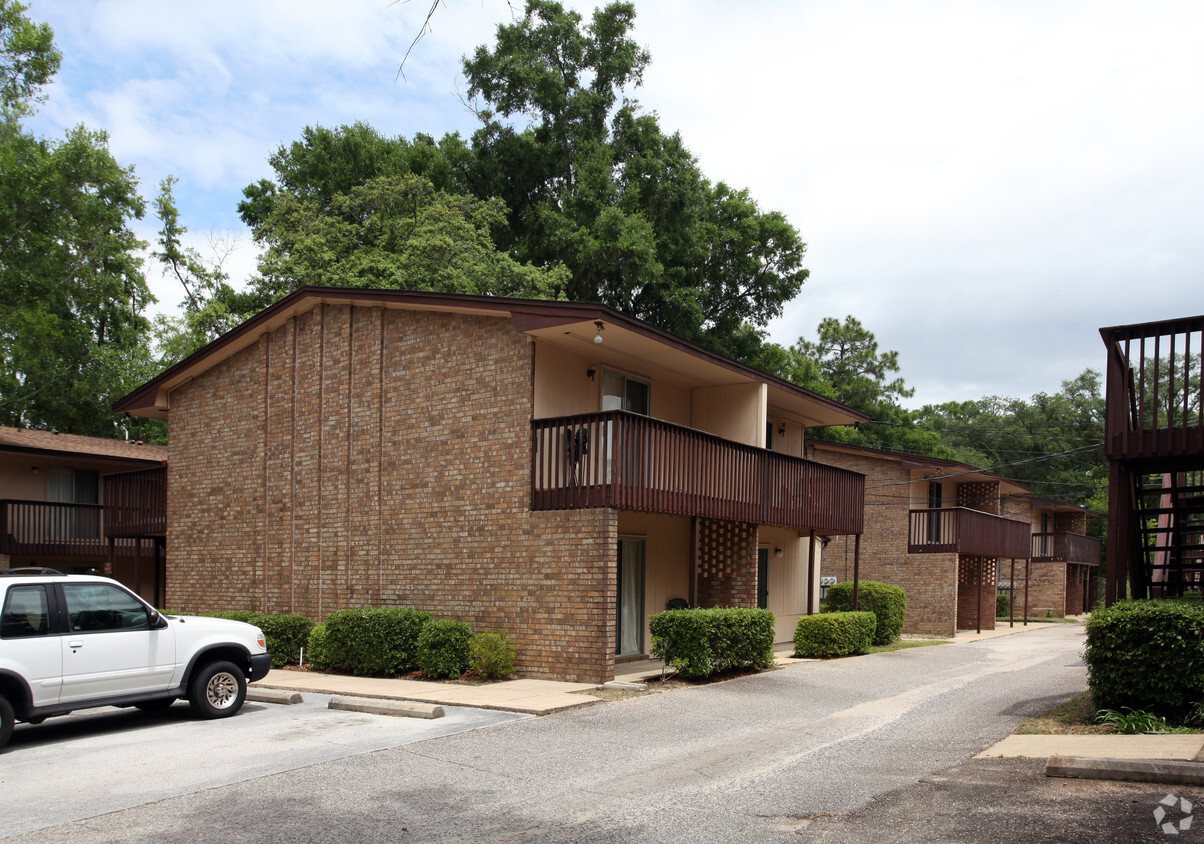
274,696
376,706
1133,770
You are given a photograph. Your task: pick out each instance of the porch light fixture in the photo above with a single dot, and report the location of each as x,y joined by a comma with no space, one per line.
781,429
777,552
598,334
33,470
589,373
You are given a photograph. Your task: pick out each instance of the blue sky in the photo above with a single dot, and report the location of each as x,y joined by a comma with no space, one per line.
983,184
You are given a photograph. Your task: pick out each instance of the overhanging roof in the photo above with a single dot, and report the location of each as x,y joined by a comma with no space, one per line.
917,462
563,324
27,441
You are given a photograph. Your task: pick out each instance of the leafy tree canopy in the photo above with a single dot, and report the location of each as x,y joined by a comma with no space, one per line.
1067,427
72,334
573,175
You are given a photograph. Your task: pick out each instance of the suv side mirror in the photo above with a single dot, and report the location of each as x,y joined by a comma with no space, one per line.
157,620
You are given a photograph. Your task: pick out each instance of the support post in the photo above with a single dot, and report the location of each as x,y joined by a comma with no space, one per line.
811,596
1028,564
1012,596
856,572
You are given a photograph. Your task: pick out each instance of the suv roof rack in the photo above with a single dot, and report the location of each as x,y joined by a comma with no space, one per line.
30,571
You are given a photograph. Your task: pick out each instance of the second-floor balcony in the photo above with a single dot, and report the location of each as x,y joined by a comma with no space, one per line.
1155,407
960,530
633,462
1065,548
59,529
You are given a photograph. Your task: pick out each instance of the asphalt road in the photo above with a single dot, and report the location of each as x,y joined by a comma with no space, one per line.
762,758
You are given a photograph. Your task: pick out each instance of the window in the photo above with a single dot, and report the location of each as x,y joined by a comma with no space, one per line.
25,613
98,606
619,392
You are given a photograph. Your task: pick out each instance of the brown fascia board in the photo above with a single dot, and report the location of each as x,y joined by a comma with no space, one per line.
915,461
87,455
527,314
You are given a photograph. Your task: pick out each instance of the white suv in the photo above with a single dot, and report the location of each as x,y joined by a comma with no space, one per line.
77,641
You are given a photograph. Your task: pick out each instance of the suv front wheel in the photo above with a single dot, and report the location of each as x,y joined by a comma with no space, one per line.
218,690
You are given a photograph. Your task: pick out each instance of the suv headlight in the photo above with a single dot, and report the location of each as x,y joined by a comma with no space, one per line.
259,640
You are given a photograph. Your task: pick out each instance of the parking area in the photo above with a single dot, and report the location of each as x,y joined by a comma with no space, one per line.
103,760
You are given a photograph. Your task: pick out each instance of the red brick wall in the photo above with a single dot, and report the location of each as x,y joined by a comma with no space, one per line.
1046,589
368,456
727,564
930,580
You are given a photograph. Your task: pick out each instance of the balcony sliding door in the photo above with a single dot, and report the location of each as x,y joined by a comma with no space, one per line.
629,610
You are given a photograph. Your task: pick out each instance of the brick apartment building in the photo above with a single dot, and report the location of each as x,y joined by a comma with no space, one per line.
1064,559
555,471
940,529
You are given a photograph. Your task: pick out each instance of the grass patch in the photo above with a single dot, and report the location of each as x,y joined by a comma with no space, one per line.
1074,717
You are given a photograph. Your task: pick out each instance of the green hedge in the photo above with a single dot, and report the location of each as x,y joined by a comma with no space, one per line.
699,643
1146,655
888,603
374,641
1002,606
285,634
831,634
443,648
491,655
316,654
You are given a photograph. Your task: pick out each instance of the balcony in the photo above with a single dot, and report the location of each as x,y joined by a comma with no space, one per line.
1154,402
1065,548
43,527
136,503
960,530
631,462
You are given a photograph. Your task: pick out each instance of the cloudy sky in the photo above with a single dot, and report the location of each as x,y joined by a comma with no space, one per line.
982,184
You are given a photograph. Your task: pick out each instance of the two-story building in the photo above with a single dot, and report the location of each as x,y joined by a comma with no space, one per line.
80,504
940,529
1064,559
555,471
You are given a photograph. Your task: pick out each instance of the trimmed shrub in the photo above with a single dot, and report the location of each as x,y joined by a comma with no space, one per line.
315,651
699,643
1146,655
888,604
831,634
443,648
1002,605
374,641
491,655
285,634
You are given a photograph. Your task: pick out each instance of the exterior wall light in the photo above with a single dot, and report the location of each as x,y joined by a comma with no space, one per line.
598,334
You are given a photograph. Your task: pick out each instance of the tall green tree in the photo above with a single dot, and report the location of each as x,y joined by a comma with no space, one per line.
72,332
586,180
1051,442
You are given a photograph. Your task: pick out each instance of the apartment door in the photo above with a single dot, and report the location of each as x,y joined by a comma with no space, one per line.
629,611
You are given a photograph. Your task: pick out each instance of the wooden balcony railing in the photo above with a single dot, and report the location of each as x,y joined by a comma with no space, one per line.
1154,403
632,462
1065,548
136,503
961,530
43,527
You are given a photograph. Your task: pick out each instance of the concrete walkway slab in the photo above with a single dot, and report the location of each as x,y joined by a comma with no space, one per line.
532,697
1181,747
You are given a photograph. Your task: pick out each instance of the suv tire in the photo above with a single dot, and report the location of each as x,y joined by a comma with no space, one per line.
7,719
218,690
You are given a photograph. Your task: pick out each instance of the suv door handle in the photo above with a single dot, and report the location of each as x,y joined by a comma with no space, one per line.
75,644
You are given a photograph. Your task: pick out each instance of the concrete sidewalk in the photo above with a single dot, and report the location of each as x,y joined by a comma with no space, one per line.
532,697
